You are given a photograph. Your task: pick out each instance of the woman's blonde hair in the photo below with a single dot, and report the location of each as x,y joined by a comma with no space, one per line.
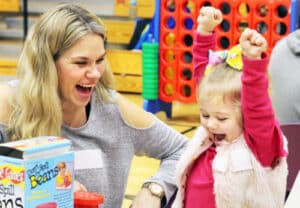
38,110
222,84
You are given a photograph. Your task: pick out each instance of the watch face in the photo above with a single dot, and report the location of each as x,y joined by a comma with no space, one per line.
156,189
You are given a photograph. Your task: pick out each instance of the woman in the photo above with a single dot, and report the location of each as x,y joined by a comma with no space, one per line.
64,88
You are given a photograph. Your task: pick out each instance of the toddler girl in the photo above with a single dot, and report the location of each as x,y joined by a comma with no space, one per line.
237,157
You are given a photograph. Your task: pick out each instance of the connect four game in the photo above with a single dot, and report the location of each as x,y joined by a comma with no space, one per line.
178,19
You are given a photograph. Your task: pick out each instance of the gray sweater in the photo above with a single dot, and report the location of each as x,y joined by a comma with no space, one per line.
285,78
104,148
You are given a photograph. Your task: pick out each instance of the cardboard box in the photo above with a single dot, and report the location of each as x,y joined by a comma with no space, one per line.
36,173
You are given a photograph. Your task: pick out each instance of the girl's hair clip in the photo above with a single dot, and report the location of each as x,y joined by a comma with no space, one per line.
232,57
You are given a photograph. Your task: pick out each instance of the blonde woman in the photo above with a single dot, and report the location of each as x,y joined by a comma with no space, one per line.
237,158
64,88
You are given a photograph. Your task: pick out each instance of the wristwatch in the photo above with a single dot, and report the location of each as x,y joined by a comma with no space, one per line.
155,189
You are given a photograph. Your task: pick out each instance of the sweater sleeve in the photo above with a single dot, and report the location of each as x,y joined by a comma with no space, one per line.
3,136
261,129
165,144
202,44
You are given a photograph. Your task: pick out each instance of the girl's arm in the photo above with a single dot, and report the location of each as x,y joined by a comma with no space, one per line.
201,47
205,38
261,130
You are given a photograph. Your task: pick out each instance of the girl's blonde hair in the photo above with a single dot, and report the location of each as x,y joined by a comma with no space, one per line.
222,85
38,110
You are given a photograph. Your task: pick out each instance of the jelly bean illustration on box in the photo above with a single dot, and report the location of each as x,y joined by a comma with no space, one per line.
36,173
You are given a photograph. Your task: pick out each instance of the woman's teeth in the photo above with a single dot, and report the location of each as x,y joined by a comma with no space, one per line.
83,88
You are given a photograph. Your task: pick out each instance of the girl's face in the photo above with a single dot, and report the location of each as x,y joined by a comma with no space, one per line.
79,69
223,121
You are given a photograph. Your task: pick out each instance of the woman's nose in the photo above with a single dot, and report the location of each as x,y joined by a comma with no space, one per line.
94,72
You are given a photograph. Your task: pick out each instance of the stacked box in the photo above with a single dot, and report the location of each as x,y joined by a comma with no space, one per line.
36,173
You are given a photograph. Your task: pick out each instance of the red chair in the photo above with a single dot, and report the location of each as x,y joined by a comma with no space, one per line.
292,133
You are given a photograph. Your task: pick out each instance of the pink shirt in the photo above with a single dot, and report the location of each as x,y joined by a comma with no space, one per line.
199,186
261,130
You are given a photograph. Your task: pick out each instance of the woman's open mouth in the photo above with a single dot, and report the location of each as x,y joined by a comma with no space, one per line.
84,91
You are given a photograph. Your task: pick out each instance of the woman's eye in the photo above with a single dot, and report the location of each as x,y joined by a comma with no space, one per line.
100,60
80,62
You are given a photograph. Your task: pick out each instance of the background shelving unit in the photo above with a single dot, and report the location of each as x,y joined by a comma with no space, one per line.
119,16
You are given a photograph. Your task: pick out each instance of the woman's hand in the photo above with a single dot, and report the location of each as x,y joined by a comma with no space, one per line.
208,19
145,199
79,187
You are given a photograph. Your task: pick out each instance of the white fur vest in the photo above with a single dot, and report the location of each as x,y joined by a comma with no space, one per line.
239,179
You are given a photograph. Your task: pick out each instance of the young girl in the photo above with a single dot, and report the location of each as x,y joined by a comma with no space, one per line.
237,158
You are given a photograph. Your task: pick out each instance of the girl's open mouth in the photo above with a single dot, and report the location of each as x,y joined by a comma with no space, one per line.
217,138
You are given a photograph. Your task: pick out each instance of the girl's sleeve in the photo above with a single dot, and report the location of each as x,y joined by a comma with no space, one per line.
202,44
261,129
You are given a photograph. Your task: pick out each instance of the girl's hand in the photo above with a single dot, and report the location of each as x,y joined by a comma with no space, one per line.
208,19
253,44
